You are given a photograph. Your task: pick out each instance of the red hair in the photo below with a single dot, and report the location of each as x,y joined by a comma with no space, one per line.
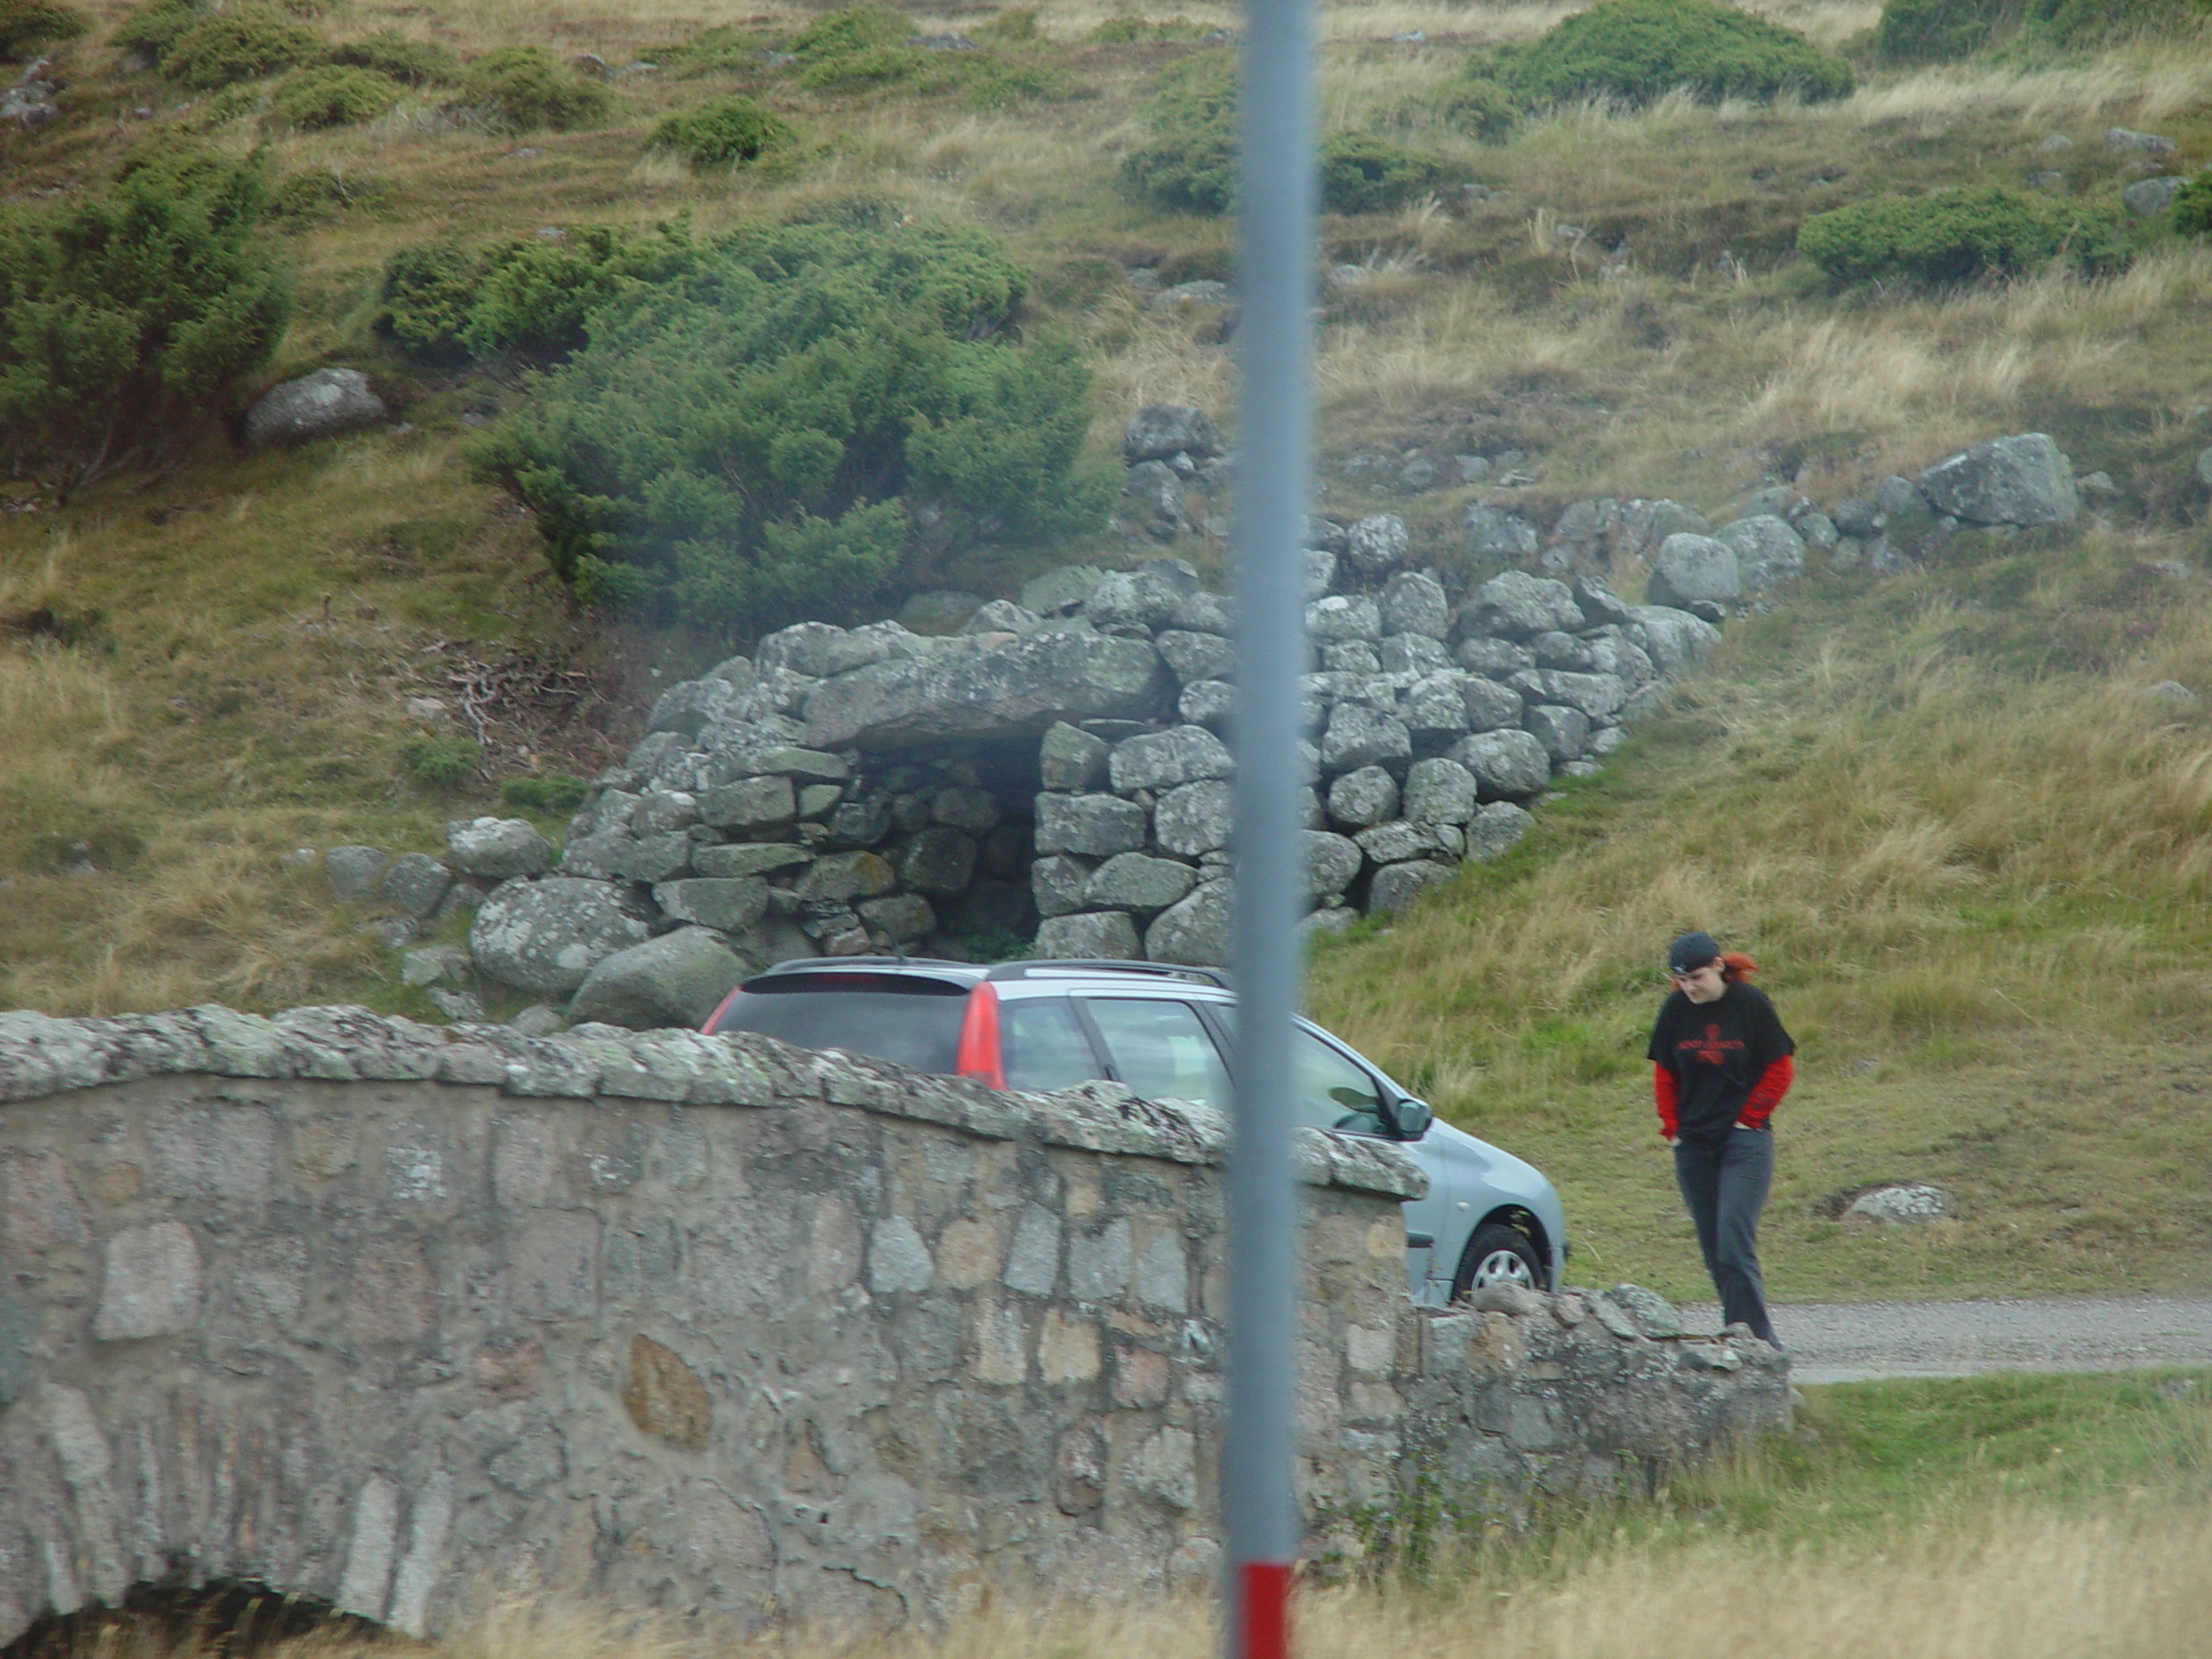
1735,966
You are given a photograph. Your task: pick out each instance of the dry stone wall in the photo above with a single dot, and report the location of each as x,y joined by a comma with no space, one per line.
401,1318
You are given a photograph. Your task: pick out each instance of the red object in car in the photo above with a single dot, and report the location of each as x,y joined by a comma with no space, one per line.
979,1056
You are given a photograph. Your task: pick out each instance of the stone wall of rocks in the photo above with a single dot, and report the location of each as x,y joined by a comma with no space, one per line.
402,1318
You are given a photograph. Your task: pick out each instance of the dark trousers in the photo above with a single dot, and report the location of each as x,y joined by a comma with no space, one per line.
1725,1187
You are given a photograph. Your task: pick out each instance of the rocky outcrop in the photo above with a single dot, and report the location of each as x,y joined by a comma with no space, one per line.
317,405
2025,480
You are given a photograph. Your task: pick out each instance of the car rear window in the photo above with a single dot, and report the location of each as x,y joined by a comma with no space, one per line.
912,1021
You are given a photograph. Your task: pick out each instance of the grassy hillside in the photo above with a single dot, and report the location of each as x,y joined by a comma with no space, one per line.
1941,806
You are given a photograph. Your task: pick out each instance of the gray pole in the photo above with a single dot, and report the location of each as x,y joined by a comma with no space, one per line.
1273,480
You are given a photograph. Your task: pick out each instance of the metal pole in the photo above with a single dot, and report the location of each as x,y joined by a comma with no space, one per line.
1274,479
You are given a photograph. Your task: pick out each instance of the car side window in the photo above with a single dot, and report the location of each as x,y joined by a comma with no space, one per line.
1161,1050
1043,1045
1333,1092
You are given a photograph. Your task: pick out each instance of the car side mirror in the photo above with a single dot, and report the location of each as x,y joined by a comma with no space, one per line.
1411,1118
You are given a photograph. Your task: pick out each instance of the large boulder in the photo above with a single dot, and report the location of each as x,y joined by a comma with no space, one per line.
1199,930
1376,545
2025,479
545,936
1506,766
1518,606
1157,761
1147,595
675,980
1090,934
1412,603
1332,863
1676,640
313,406
497,849
1691,568
1017,688
1138,881
819,650
1092,826
1769,552
1159,430
1193,820
1496,533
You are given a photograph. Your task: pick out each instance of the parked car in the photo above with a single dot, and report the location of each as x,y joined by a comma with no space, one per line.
1164,1031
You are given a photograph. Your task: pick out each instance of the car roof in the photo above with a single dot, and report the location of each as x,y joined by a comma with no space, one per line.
974,973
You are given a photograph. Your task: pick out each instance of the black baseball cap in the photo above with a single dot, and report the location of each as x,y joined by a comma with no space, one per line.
1690,951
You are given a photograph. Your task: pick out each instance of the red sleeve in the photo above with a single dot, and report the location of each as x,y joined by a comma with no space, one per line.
1767,1093
1668,1093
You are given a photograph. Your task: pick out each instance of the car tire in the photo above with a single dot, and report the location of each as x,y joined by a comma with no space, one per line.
1497,1254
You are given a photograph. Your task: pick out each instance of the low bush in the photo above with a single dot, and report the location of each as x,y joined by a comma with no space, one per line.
1639,50
26,25
235,46
318,192
1478,107
445,303
551,795
1190,165
440,763
849,31
519,88
751,442
1958,235
1129,31
414,63
128,314
1933,30
153,29
2193,207
334,95
1937,30
1362,173
719,50
725,131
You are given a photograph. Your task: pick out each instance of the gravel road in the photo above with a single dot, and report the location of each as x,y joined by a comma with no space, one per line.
1853,1342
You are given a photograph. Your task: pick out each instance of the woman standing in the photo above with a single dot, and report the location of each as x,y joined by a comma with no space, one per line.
1719,1066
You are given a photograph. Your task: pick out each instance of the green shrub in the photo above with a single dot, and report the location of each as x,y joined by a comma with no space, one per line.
1639,50
1191,163
1129,31
27,24
1479,107
317,192
1017,26
744,446
719,50
724,130
1936,30
518,88
445,303
334,95
553,795
152,29
242,45
2193,205
414,63
851,30
1933,30
1362,173
440,763
128,314
1955,236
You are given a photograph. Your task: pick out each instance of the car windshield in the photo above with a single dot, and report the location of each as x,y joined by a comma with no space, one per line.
914,1021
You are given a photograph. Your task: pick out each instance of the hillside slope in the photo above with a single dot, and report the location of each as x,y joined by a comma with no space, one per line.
1940,802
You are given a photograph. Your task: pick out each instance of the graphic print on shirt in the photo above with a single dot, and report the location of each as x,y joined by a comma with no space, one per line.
1712,1049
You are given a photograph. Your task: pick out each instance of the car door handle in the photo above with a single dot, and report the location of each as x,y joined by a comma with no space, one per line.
1420,1241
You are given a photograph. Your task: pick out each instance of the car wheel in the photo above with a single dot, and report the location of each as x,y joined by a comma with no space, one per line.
1497,1255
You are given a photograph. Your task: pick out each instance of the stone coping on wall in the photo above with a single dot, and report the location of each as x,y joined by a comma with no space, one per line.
42,1055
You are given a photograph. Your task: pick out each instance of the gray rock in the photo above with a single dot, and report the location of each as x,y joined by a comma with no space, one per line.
1158,488
1769,552
817,650
840,878
1063,588
1897,495
750,804
1599,605
1489,706
1691,568
1411,653
1358,658
1072,760
963,806
1205,613
749,858
1376,544
1320,572
1497,828
1341,617
939,611
727,903
1197,656
1199,930
1906,1204
2025,480
1017,688
690,706
2139,143
1645,524
1138,882
1439,791
1325,534
435,962
1676,640
1818,529
1654,1315
1565,733
1358,735
1193,820
1332,863
543,937
673,981
659,810
1161,760
855,823
1401,839
1436,704
2147,198
1492,658
1157,431
1058,883
1413,602
1002,616
1496,533
496,849
315,405
901,915
1210,703
2203,476
1104,935
1365,797
1144,596
1518,606
1855,515
1506,766
355,871
414,884
1202,292
940,860
1597,695
1093,826
1397,886
1556,650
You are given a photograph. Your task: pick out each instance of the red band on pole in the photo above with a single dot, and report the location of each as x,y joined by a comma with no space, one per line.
1263,1615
